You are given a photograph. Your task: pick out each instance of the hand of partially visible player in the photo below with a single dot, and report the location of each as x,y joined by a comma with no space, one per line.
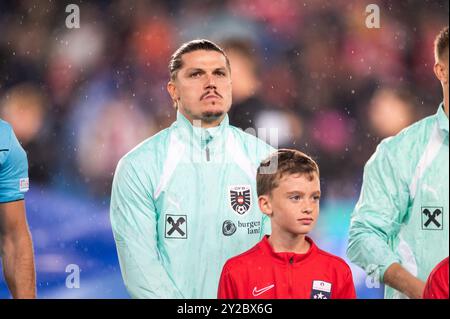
399,278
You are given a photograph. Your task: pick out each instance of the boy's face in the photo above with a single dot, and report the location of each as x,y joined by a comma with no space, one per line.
293,206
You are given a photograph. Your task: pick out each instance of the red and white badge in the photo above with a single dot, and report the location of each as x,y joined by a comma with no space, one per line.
240,198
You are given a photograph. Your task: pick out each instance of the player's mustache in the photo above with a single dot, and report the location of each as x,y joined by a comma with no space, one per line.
209,93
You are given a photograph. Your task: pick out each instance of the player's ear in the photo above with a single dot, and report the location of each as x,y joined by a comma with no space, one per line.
441,72
173,92
265,205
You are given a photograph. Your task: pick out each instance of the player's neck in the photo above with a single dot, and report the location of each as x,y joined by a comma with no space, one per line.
197,122
288,242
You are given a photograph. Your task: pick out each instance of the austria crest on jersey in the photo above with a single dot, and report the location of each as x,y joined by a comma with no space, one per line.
240,198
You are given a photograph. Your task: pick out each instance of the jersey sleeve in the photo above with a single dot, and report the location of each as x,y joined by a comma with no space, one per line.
133,223
14,181
347,286
227,289
378,215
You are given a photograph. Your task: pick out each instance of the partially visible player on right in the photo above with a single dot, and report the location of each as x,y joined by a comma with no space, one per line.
399,228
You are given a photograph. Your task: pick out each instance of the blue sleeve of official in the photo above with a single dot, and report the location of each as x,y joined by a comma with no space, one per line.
14,181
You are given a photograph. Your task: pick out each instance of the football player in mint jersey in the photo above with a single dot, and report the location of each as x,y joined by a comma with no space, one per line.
399,227
184,200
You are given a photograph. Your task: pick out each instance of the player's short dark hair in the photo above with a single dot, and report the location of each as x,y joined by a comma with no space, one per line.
176,63
441,44
288,162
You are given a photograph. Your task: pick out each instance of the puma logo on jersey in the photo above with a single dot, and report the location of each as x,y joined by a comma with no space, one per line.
257,292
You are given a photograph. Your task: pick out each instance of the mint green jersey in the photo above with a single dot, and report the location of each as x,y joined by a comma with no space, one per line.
402,212
183,202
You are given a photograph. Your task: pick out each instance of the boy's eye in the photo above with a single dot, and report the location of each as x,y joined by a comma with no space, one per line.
220,73
316,198
296,197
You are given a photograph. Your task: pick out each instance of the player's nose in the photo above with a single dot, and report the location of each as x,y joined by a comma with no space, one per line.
210,82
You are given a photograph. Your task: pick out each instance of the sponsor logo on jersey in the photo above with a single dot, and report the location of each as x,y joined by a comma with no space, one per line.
321,290
252,227
24,184
228,228
176,226
432,218
240,198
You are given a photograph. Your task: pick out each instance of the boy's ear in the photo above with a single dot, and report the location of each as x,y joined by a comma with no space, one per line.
264,205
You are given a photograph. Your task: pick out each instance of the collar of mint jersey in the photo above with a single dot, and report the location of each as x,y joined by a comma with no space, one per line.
198,132
442,118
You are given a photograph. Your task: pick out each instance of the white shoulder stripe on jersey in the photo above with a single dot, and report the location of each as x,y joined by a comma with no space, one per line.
407,256
431,150
174,155
239,157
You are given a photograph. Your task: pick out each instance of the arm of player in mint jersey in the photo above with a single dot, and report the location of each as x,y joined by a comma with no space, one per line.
134,226
378,215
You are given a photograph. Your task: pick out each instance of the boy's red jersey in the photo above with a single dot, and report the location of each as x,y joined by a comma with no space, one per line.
437,283
261,273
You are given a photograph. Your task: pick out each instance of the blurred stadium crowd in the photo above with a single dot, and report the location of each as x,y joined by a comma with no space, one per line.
79,99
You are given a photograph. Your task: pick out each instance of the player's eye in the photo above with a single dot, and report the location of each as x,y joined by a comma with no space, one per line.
220,73
195,74
316,198
295,198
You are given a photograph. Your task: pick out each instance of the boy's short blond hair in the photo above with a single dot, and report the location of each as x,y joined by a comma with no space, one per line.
288,161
